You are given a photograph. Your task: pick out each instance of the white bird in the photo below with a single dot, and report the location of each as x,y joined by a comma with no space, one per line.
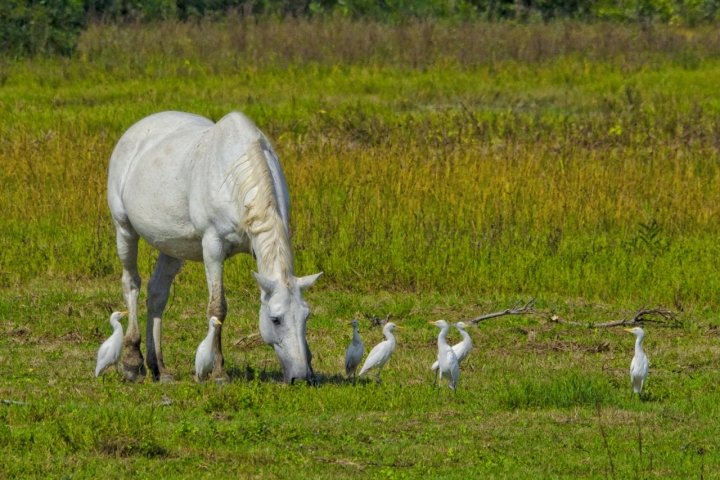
461,349
448,364
639,365
110,350
380,354
205,355
354,352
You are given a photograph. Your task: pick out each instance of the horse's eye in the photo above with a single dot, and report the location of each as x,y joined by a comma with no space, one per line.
275,320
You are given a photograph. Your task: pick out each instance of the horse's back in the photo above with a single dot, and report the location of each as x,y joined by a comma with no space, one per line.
168,180
156,136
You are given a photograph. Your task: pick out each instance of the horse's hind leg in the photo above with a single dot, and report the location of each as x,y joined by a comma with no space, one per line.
133,367
158,291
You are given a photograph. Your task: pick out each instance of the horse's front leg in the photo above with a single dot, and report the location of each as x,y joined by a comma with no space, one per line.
158,291
213,257
133,366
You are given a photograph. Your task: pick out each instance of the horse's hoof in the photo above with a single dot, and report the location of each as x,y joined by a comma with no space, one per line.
134,373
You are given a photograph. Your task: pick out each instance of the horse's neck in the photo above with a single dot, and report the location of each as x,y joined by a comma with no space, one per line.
263,221
273,254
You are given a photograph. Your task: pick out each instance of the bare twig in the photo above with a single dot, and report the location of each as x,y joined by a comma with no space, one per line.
245,342
667,318
516,309
605,441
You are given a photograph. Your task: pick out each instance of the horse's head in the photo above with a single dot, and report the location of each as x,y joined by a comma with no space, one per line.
283,318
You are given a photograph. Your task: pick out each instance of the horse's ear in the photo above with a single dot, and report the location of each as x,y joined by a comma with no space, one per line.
306,282
266,285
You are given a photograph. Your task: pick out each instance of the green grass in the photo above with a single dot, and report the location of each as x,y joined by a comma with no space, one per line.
439,171
524,173
527,405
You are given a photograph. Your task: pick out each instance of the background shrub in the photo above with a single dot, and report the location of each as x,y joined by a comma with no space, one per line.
32,27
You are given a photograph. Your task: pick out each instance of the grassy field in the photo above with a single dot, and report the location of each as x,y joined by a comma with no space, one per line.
436,171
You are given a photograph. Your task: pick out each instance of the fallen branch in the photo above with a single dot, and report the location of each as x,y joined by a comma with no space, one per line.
516,309
667,318
376,321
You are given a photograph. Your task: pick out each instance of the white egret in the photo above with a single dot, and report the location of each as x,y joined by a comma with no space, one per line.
461,349
639,365
354,352
109,353
447,360
380,354
205,355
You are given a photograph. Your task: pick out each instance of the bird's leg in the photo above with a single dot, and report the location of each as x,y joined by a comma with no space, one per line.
213,257
133,365
158,292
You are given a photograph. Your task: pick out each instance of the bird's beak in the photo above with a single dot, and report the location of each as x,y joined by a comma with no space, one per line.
218,322
431,323
628,329
124,313
399,327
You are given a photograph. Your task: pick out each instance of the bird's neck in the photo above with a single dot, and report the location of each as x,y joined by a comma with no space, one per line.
389,336
638,345
442,338
117,326
465,335
356,335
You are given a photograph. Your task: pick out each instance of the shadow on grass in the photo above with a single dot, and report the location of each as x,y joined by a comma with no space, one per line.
249,374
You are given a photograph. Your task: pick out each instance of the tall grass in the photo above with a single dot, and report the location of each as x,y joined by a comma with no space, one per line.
558,160
235,44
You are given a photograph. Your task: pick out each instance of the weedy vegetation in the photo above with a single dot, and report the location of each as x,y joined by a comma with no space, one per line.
436,170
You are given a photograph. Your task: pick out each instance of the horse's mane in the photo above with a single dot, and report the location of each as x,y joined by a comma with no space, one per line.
261,219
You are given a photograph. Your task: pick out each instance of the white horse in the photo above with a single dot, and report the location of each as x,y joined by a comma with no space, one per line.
204,191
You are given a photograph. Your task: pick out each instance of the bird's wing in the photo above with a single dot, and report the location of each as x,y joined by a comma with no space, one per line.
450,358
201,357
105,356
639,371
353,356
377,356
455,374
461,351
435,366
637,382
638,366
348,357
102,353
